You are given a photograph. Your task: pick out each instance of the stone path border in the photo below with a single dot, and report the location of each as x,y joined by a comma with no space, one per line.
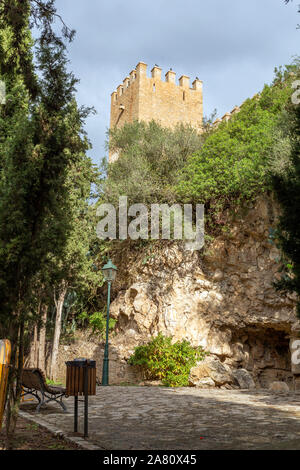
79,441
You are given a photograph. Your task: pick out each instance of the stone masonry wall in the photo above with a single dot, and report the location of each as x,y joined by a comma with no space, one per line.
143,98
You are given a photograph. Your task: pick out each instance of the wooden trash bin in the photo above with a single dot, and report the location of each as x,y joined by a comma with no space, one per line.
81,380
76,371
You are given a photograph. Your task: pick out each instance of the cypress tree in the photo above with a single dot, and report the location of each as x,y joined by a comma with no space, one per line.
41,140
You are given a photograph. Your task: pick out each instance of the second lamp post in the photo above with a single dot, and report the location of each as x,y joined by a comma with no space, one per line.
109,272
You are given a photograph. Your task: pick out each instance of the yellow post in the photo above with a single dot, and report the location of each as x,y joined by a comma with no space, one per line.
5,352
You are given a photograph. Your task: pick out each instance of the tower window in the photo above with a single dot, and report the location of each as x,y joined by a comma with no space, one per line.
183,96
153,87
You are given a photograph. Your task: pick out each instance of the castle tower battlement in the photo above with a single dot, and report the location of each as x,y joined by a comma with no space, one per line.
144,98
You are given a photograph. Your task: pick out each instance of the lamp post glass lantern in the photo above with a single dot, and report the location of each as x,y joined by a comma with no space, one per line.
109,271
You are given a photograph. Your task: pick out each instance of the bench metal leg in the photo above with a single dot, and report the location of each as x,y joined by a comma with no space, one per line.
63,406
52,398
42,402
46,398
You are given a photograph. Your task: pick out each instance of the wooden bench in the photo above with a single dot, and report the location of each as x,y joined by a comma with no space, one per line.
34,383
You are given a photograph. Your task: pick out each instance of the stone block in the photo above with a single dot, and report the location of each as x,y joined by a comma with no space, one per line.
279,387
243,378
212,370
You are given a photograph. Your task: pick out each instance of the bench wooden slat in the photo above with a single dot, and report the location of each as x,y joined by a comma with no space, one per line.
34,380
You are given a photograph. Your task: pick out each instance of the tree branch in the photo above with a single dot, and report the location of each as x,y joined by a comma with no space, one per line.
288,1
48,12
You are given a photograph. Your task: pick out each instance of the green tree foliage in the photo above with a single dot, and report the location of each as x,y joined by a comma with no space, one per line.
75,265
41,140
150,158
220,168
45,174
232,164
285,171
169,362
97,322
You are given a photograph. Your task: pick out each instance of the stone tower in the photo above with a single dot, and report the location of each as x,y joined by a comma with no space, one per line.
143,98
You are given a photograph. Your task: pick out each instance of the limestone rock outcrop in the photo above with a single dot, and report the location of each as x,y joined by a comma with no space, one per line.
243,379
210,372
222,299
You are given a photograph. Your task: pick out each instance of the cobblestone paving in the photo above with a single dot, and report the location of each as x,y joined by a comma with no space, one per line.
155,418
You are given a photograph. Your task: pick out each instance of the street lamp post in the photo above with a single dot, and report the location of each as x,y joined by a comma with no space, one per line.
109,272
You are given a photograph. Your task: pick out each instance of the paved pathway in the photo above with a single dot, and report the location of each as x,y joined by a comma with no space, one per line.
159,418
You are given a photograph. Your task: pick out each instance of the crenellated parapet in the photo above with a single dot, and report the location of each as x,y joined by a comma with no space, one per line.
156,74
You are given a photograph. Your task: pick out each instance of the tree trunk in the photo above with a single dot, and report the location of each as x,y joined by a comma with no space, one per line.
14,386
38,344
33,348
42,339
59,308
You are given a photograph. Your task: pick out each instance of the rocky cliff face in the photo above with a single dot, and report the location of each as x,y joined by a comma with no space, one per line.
222,299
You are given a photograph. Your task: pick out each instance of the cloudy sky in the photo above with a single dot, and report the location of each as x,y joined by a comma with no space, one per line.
232,45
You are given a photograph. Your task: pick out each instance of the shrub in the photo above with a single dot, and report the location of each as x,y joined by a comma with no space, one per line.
232,165
166,361
97,322
234,158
